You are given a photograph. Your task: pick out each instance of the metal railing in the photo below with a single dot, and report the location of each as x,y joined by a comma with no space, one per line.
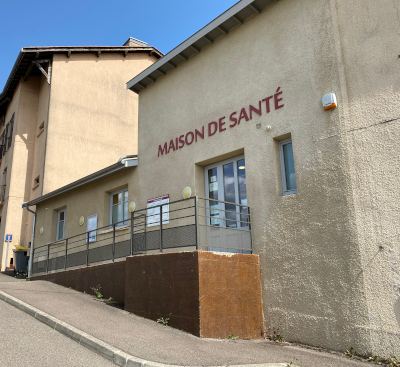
183,225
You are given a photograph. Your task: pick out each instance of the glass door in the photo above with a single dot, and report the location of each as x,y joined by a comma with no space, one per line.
226,181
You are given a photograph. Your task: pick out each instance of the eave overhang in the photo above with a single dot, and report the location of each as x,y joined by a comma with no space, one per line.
28,55
232,18
121,165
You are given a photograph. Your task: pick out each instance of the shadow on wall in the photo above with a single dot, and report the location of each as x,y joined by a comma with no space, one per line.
397,309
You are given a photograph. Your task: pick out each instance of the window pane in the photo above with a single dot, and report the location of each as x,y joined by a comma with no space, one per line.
115,214
115,199
241,165
229,191
120,213
126,195
289,167
60,230
125,211
213,194
61,215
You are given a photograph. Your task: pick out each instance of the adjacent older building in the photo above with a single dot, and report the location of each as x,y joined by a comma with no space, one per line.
236,115
64,113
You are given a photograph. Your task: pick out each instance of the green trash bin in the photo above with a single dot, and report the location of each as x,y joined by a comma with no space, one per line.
20,260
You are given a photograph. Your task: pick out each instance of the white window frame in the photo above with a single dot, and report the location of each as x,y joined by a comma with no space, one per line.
219,165
285,191
123,224
58,222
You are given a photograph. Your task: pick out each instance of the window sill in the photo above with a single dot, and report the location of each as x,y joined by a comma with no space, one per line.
122,228
36,186
40,133
286,193
61,242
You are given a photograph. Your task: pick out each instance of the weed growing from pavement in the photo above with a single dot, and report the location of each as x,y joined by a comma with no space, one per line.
276,335
110,299
97,292
350,352
392,361
233,337
293,363
163,321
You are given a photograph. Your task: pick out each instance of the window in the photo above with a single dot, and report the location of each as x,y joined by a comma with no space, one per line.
11,132
36,182
287,167
41,127
119,207
61,225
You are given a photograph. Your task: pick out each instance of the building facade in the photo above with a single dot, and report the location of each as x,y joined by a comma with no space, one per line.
61,121
243,123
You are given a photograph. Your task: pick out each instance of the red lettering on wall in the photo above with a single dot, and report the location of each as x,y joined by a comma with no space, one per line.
221,123
213,127
213,123
171,146
197,132
257,111
181,141
243,115
277,100
186,138
162,150
267,102
234,119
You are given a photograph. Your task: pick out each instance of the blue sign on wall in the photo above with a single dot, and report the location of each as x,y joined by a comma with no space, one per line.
8,237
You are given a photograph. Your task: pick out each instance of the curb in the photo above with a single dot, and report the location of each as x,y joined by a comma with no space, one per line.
105,350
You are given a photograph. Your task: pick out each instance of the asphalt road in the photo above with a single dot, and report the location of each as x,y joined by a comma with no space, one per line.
148,340
25,341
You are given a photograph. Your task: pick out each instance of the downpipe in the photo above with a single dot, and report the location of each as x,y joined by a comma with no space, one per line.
24,205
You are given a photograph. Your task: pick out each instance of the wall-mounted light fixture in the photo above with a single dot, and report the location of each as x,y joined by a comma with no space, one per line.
41,230
187,192
81,220
132,206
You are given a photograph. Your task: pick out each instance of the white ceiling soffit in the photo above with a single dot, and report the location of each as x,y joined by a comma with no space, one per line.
232,18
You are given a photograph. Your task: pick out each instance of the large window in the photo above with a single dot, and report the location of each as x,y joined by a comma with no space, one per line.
289,185
119,207
61,225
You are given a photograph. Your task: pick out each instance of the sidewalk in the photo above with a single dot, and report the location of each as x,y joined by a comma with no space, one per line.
150,341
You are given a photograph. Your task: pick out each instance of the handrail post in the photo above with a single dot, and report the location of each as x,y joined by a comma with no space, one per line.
66,254
113,243
87,248
196,221
251,238
132,229
48,255
161,239
145,231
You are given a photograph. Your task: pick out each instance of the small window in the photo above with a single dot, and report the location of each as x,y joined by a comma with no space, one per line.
61,225
119,207
36,181
41,127
287,167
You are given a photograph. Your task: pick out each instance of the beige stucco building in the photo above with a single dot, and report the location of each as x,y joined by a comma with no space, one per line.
239,103
64,112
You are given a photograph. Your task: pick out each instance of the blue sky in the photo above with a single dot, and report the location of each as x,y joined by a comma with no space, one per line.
163,24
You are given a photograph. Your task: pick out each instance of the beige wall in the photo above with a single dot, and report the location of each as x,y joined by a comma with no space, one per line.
93,118
88,200
20,161
90,122
372,89
325,281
